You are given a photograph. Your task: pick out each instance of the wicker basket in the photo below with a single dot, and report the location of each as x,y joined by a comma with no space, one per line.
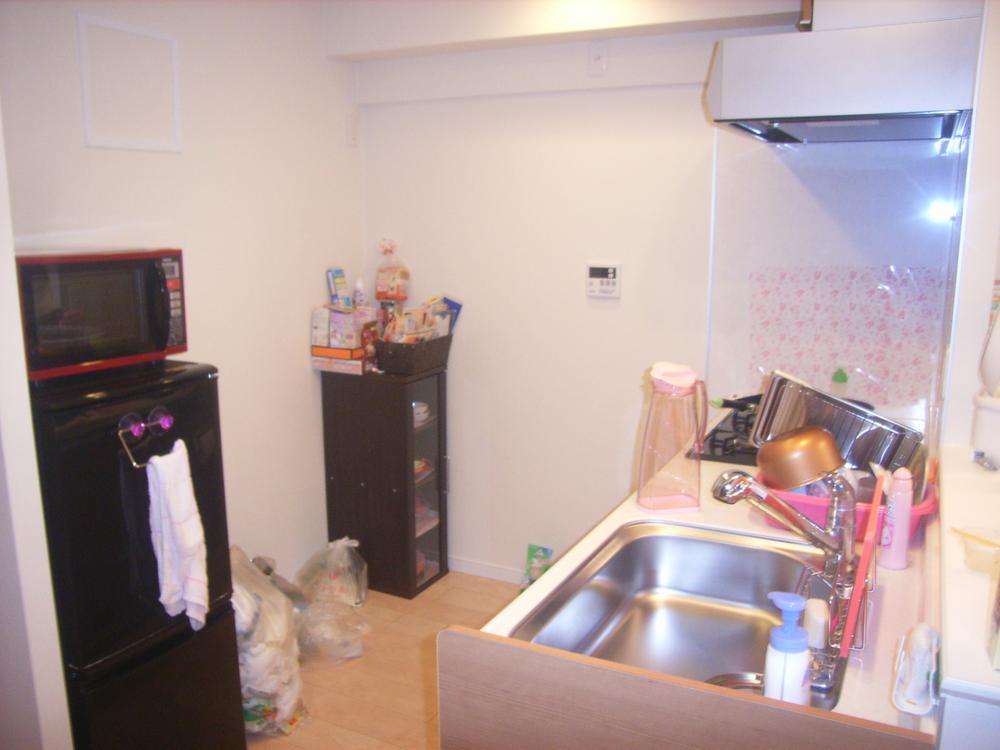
411,359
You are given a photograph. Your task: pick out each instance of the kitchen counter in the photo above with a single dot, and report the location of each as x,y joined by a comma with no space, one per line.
900,600
971,497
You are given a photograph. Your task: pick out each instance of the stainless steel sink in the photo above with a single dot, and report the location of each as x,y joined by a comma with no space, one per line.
675,599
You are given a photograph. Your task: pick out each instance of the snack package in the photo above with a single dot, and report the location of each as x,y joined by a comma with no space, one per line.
392,281
539,560
336,283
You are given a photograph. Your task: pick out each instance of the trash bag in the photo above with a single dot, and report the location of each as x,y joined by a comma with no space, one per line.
268,650
331,629
333,581
335,573
266,565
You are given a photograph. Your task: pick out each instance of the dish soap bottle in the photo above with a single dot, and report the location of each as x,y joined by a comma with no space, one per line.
895,539
786,667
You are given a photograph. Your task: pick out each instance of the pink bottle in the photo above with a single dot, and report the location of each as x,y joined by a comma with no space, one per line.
895,539
668,478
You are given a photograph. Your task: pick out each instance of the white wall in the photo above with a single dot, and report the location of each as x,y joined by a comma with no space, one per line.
262,198
980,241
33,711
500,200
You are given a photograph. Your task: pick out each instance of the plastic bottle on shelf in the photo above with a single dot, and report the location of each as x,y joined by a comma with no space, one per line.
786,666
360,295
895,540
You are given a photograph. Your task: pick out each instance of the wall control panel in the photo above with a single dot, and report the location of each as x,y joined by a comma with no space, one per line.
604,280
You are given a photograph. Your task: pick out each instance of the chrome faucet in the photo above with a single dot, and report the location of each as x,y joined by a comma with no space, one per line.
792,460
836,539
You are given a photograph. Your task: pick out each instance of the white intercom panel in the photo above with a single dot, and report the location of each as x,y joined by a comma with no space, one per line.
604,280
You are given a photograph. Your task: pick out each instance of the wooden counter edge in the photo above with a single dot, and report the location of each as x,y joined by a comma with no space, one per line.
497,693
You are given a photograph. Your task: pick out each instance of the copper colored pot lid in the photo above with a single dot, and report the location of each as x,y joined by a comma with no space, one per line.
798,457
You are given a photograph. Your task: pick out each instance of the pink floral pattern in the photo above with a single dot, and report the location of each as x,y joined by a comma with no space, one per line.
884,325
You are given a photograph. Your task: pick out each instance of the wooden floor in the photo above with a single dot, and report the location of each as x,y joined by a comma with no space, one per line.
387,698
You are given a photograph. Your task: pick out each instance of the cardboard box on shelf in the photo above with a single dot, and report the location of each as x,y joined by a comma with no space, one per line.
343,366
337,352
320,326
345,331
350,361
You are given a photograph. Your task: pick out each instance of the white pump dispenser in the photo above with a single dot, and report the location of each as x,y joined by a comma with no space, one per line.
786,667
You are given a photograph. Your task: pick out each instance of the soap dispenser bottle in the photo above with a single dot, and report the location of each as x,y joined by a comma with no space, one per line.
786,668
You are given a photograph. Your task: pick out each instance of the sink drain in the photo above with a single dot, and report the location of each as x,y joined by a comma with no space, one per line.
750,681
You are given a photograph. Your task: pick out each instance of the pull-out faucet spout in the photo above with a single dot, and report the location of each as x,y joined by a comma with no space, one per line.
836,540
733,486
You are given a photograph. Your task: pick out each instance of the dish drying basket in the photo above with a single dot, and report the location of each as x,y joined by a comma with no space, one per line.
862,436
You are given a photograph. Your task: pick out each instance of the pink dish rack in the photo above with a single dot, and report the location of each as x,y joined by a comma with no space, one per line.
814,508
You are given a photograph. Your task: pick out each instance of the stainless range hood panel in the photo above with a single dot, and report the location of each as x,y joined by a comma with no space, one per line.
906,82
916,126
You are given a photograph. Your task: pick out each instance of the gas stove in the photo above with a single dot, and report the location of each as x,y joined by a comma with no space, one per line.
729,441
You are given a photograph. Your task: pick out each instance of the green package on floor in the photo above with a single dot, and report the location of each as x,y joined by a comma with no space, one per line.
539,560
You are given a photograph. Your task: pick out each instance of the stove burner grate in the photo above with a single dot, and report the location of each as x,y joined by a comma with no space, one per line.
729,441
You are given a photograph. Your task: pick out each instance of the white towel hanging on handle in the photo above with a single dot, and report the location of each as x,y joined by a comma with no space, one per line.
177,535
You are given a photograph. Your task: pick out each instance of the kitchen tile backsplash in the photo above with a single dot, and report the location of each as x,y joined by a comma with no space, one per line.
882,324
830,256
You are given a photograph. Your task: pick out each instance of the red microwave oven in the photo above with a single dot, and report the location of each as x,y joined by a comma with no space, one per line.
89,312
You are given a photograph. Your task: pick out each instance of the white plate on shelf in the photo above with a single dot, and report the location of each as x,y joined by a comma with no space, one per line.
421,413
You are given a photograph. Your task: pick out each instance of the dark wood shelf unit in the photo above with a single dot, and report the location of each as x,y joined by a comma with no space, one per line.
372,494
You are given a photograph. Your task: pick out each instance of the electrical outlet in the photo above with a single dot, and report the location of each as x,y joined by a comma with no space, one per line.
597,59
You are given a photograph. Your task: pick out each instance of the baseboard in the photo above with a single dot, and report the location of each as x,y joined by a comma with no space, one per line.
484,569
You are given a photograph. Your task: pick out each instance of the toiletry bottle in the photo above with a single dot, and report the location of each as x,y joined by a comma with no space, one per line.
786,667
360,295
816,622
895,539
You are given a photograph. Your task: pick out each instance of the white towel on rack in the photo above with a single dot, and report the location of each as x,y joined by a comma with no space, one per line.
178,536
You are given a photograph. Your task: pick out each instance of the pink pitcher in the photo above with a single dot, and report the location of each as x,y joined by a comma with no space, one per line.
668,477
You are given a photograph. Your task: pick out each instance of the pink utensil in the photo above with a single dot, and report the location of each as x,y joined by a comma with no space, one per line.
861,575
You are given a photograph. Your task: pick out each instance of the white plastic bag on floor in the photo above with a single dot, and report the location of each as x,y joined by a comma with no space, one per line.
335,573
268,650
333,581
331,629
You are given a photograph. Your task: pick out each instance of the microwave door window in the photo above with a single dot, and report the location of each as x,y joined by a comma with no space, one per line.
90,314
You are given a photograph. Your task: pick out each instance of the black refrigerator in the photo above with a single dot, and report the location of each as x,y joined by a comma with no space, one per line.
136,677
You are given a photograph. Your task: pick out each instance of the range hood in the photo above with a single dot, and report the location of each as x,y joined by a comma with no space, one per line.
883,83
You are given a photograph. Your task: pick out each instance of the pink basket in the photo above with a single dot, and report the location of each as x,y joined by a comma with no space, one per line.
814,508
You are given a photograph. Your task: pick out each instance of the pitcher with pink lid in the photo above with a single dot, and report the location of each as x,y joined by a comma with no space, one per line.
670,478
